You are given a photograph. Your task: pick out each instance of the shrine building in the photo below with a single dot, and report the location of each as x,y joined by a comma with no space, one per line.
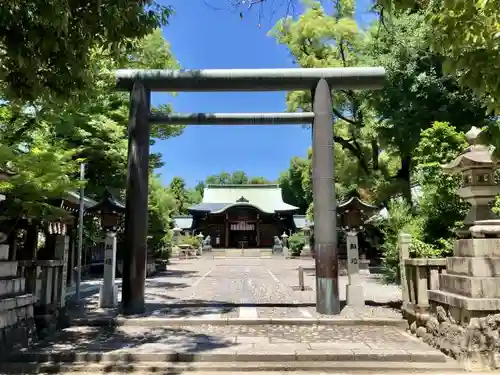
237,216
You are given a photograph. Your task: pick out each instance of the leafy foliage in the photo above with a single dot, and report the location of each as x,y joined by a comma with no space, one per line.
296,243
47,47
466,34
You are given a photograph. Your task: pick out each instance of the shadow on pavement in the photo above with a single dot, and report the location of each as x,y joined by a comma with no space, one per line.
117,348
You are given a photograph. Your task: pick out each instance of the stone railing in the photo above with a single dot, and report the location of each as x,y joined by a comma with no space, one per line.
422,275
45,280
418,276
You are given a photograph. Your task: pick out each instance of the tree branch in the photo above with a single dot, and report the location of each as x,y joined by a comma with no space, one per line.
356,151
342,117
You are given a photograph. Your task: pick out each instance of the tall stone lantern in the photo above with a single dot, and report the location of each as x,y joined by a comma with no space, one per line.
470,287
478,186
111,212
306,250
353,214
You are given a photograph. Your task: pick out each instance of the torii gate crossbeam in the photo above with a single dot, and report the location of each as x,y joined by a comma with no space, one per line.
321,81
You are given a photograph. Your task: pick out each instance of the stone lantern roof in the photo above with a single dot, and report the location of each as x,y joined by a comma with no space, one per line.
475,156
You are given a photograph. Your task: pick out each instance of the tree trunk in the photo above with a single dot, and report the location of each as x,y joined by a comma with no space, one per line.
403,176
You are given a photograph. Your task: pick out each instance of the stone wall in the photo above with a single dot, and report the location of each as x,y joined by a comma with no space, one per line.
17,325
475,344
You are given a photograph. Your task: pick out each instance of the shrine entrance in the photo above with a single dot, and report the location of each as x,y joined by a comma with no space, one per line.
140,83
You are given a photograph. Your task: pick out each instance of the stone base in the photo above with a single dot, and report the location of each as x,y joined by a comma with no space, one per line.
470,286
355,295
49,319
471,344
20,335
463,308
17,326
108,301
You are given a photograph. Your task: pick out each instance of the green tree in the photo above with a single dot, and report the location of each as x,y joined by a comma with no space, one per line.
440,205
319,40
234,178
47,47
92,129
161,206
416,93
466,34
177,188
292,186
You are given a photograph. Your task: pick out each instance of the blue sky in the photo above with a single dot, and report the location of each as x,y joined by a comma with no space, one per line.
204,38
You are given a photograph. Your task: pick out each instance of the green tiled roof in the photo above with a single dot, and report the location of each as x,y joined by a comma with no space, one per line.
266,198
183,222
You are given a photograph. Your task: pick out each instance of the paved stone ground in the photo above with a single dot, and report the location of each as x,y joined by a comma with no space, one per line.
250,288
237,340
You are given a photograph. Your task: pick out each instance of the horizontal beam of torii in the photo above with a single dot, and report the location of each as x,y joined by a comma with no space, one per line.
232,118
250,79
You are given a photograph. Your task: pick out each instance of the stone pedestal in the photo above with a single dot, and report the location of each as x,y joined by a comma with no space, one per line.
306,251
354,289
108,296
471,285
176,251
286,252
17,325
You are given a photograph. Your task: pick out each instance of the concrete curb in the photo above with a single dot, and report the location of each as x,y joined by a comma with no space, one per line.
242,355
152,322
212,367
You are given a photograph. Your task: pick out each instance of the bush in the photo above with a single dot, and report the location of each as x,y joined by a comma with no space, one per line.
193,241
400,219
296,243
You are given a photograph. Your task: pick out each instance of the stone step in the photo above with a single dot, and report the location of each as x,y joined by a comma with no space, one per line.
4,252
243,368
470,286
8,269
12,286
479,267
243,353
477,247
14,302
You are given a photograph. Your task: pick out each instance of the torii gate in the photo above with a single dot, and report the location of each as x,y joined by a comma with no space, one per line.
321,81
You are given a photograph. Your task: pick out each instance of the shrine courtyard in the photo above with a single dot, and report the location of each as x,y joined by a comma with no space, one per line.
237,314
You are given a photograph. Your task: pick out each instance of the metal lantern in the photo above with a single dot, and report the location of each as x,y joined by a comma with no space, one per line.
110,211
354,212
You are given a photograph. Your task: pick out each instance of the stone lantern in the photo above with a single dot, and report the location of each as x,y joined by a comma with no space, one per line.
200,245
111,212
353,214
470,287
284,241
306,250
478,187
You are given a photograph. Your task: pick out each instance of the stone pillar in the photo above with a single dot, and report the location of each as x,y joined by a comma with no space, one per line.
325,235
354,289
136,212
404,241
61,251
108,296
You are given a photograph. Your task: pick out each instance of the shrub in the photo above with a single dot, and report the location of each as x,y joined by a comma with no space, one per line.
296,243
187,239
